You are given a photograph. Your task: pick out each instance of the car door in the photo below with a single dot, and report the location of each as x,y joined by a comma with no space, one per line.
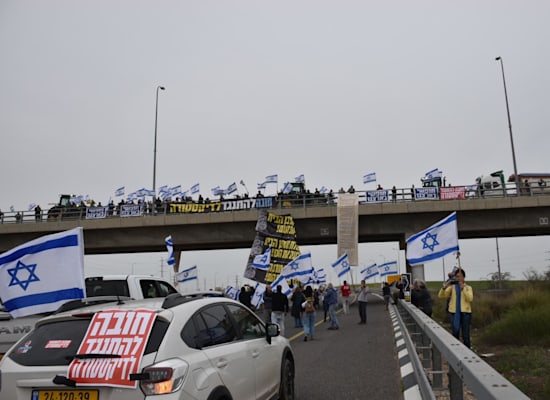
227,354
265,357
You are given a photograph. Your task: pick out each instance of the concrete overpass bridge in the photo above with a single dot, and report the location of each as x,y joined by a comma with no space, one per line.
512,216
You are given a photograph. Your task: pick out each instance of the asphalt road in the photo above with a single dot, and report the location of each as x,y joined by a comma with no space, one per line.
354,362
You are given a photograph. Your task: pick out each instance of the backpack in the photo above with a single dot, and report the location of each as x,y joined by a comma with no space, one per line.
309,308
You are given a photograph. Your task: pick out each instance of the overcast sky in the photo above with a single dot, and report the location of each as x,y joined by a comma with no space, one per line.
329,89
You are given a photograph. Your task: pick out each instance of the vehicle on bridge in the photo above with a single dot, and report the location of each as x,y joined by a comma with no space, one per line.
491,185
66,209
532,182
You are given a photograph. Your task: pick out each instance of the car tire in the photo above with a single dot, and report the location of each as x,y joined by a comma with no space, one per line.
286,388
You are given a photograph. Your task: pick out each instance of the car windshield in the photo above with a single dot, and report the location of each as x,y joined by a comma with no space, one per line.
57,343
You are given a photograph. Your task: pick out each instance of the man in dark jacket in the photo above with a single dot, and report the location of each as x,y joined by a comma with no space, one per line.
279,307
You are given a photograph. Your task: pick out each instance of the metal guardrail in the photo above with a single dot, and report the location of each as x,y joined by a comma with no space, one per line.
301,200
444,365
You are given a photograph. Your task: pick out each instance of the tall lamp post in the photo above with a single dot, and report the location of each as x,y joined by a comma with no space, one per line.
155,147
509,126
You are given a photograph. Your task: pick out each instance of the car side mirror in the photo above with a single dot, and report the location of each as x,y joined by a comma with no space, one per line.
272,330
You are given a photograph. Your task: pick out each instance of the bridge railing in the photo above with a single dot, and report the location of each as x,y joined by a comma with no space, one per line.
444,366
283,201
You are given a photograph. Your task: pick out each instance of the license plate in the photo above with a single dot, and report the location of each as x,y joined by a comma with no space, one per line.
65,395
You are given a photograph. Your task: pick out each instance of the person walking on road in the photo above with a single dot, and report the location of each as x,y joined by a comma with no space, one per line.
279,308
268,301
421,297
309,318
386,292
362,301
297,299
331,297
346,291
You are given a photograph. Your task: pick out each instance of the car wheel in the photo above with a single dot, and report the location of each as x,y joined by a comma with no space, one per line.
286,389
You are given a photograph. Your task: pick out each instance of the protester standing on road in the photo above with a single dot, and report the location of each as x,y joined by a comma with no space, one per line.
279,308
309,318
297,299
331,297
268,302
362,300
386,292
421,297
460,305
346,291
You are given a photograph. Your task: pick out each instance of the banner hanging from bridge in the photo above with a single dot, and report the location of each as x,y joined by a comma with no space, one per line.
279,233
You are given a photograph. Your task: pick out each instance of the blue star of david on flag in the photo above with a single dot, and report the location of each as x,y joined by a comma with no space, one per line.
20,269
435,242
432,239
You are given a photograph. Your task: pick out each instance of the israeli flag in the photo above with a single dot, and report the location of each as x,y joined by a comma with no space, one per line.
188,274
195,188
300,268
435,242
31,206
40,275
170,246
261,261
258,296
119,191
342,266
323,190
281,280
320,276
371,177
231,188
261,185
370,271
232,292
271,179
300,178
433,174
217,191
287,188
388,268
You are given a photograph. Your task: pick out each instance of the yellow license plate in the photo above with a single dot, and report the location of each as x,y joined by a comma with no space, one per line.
65,395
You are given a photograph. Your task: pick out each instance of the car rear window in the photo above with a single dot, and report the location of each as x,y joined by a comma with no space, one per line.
95,288
57,343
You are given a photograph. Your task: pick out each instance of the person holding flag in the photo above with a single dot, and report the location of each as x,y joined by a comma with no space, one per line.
460,305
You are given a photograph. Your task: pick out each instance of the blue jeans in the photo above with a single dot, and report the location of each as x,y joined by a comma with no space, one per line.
332,312
309,324
465,324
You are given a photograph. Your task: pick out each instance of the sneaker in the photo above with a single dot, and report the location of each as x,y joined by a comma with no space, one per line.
305,338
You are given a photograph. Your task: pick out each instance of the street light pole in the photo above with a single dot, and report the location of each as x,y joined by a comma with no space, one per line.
155,146
509,126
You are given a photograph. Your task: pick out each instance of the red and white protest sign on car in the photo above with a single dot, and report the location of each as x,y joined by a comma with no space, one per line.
112,348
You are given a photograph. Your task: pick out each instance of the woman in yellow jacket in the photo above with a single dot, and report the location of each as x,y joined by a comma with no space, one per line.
460,305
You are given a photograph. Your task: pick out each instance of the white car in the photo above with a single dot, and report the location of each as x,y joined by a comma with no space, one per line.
180,347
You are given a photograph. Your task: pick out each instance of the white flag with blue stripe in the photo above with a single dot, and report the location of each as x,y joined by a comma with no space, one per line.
232,292
300,178
119,191
271,179
258,296
388,268
370,271
371,177
170,246
195,188
300,268
261,261
342,266
188,274
281,280
40,275
320,276
435,242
